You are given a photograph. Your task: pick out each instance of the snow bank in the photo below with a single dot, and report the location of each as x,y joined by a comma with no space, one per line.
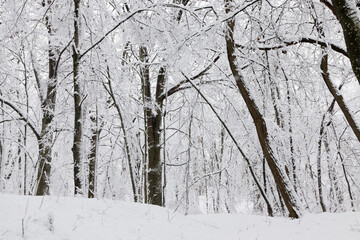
77,218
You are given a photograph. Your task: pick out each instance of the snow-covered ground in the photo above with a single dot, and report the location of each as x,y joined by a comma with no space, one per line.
41,218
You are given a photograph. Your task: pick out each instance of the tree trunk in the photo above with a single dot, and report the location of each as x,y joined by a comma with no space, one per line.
338,97
145,92
285,189
94,142
319,174
291,143
48,108
126,142
76,149
153,138
348,16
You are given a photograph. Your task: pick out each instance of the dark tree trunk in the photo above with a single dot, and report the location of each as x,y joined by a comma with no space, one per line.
94,142
261,129
338,97
76,149
145,92
347,14
153,139
319,174
153,120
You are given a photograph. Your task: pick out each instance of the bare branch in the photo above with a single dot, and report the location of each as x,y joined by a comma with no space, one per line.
22,117
59,57
329,6
179,86
334,47
113,29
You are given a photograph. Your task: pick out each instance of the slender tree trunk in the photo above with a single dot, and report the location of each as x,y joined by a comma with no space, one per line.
347,181
78,135
1,150
2,146
285,189
335,192
292,149
125,136
187,173
344,169
20,163
319,174
338,97
145,80
94,143
270,211
25,135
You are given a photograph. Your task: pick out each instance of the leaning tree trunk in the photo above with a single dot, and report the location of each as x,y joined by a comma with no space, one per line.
335,91
48,108
285,189
348,16
338,97
109,89
76,149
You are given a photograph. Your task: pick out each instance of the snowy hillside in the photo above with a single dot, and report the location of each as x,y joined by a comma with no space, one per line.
77,218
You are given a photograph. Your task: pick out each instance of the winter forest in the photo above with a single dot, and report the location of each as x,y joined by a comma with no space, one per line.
200,106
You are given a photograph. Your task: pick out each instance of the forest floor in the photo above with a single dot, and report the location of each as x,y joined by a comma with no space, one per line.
45,218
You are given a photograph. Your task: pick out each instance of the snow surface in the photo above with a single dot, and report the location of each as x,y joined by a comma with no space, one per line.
29,217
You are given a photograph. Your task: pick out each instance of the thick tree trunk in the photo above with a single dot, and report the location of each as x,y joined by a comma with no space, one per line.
348,16
76,149
153,138
153,119
285,189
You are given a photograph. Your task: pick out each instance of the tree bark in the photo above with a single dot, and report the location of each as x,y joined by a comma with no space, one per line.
319,174
153,136
286,191
48,108
145,93
338,97
76,149
94,143
348,16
